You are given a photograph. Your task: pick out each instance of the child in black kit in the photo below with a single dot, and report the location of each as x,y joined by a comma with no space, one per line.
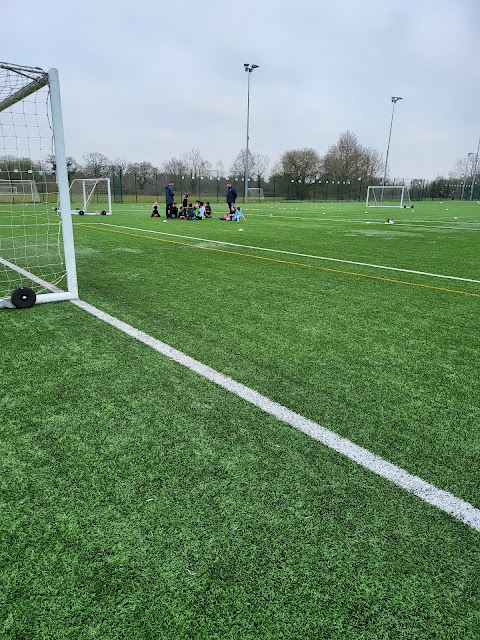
183,211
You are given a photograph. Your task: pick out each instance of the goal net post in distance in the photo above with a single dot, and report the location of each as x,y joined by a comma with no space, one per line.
37,257
397,197
255,193
18,191
91,196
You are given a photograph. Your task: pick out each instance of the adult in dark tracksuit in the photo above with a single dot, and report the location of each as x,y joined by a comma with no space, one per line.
231,197
169,197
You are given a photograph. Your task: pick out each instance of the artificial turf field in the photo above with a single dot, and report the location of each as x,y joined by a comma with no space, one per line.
141,501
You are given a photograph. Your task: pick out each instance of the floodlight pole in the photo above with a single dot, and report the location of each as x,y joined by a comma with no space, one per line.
466,175
394,100
248,68
474,170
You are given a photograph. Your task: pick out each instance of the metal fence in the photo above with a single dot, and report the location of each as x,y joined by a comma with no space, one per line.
287,187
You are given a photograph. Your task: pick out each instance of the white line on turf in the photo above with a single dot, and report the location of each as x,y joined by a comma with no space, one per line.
365,221
292,253
443,500
429,493
317,218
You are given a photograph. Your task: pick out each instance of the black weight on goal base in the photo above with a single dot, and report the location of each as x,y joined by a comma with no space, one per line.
23,298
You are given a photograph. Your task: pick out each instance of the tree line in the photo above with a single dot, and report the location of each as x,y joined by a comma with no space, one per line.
345,171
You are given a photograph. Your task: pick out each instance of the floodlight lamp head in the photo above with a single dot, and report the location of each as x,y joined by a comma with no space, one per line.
395,99
255,66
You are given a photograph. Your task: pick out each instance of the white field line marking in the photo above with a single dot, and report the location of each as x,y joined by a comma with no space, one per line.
363,221
316,218
292,253
443,500
429,493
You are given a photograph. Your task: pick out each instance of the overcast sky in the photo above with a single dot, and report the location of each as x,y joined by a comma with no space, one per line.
150,80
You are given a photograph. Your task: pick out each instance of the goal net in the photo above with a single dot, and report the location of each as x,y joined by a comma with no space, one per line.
388,196
18,191
255,194
91,196
37,259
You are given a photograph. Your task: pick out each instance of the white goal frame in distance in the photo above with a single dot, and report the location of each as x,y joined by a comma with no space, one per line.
255,193
28,190
40,79
381,196
88,189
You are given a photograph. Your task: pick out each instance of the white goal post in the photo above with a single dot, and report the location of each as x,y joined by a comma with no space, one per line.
91,196
37,257
18,191
397,197
254,193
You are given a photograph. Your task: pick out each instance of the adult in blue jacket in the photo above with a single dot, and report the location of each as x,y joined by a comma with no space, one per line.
169,197
231,196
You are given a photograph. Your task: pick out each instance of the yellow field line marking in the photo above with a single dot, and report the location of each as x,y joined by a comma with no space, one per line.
277,260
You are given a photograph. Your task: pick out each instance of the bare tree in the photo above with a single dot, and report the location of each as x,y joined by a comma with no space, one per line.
277,169
220,170
257,165
196,165
347,159
260,163
143,173
343,159
239,165
96,165
463,167
197,168
371,163
301,167
121,165
51,165
174,167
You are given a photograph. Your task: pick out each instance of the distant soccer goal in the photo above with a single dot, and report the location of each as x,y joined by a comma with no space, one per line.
397,197
255,194
91,196
37,257
15,191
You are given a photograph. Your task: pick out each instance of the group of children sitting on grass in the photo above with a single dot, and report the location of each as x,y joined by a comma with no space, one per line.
198,211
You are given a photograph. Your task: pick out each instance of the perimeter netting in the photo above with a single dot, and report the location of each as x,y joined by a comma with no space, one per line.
31,242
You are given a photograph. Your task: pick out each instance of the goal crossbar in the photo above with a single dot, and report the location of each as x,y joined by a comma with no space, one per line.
39,80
